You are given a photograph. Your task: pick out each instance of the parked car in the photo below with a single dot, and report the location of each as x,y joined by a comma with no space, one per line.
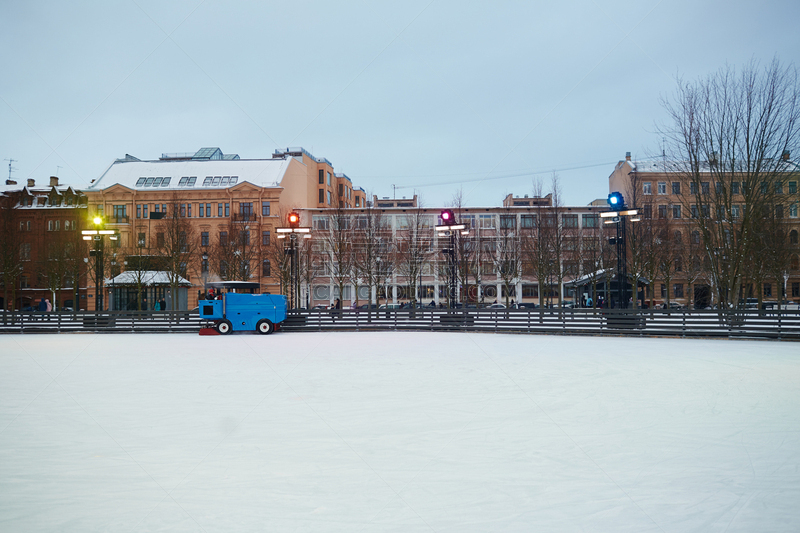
368,306
527,305
497,306
390,306
319,307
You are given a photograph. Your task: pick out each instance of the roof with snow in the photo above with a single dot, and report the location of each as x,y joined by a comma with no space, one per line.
182,174
147,277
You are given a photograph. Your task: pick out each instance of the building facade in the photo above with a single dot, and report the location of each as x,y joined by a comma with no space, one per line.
702,227
212,214
41,250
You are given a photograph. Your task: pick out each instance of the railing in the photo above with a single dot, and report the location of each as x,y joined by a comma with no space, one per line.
640,323
244,217
118,220
108,321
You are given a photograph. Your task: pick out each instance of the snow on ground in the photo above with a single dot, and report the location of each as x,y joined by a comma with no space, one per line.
390,431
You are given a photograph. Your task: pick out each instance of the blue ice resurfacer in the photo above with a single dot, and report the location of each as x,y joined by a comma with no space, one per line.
239,312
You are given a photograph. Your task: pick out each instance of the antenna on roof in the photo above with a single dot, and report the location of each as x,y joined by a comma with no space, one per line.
10,168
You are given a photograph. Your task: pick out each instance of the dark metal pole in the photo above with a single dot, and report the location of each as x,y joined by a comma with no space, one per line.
452,269
99,255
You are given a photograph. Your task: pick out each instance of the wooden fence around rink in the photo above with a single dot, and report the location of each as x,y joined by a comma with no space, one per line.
750,324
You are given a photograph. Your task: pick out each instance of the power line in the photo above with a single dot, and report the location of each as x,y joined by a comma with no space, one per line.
501,177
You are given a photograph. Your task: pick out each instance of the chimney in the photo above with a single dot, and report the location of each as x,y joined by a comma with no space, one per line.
31,182
627,156
54,181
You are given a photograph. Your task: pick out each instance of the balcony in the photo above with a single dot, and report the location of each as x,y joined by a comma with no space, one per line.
118,220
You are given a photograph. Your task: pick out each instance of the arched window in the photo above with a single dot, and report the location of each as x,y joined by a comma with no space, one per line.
696,237
795,263
678,236
793,237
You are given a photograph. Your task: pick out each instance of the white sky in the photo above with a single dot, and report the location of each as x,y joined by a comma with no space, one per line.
393,431
417,93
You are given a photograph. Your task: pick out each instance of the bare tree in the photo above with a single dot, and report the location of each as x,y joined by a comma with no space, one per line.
508,256
235,252
10,259
414,241
369,250
730,135
179,247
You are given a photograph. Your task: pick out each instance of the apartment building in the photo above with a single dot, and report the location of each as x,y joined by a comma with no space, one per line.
42,250
217,196
495,259
678,204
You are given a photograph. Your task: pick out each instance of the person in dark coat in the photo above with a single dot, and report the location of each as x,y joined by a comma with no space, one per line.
42,306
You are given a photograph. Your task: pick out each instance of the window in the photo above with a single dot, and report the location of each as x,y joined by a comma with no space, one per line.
704,187
676,187
677,236
677,290
569,221
778,187
159,240
647,211
219,210
120,212
140,182
663,291
795,289
140,241
693,188
227,209
792,187
204,265
341,189
647,188
208,210
321,177
662,211
696,237
24,225
223,238
793,237
165,181
764,187
204,238
321,195
265,238
265,271
508,221
201,212
734,187
718,188
183,210
778,211
138,210
208,181
25,251
486,221
694,211
329,180
676,211
52,225
662,187
264,209
678,265
244,237
329,196
590,221
182,241
768,289
145,208
320,222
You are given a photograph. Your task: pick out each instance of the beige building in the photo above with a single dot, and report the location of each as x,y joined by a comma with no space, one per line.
218,195
667,201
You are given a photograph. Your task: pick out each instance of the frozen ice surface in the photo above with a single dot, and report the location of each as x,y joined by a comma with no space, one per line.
405,432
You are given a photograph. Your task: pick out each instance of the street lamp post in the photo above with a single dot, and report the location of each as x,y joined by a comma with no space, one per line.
96,235
618,215
204,268
449,229
293,230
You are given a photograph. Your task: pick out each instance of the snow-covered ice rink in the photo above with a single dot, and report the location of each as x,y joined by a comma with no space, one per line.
390,431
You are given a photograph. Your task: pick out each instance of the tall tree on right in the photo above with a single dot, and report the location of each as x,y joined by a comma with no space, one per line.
731,135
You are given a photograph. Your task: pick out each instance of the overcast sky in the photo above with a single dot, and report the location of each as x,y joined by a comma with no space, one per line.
426,95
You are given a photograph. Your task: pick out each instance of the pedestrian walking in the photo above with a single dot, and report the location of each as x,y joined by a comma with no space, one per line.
42,306
48,305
